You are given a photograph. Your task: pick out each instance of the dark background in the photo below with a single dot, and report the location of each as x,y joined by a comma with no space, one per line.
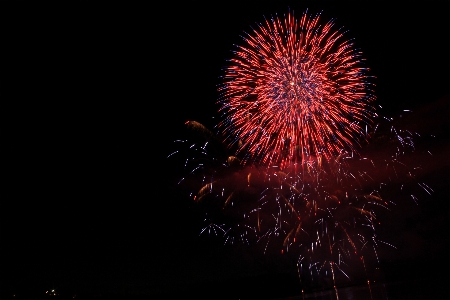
96,97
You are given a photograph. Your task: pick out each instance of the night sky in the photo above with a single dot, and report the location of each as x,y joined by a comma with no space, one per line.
90,204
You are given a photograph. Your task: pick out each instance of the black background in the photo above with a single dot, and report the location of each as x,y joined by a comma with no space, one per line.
96,97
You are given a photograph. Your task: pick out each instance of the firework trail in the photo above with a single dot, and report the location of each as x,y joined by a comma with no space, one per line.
290,174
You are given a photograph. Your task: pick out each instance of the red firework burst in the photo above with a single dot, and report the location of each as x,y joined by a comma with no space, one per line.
295,89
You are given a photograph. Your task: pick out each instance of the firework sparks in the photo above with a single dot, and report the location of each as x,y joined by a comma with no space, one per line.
323,212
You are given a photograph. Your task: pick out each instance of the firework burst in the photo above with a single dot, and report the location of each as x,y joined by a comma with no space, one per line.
297,104
295,88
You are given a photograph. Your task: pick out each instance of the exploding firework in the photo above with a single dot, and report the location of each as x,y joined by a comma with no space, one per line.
297,104
296,88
